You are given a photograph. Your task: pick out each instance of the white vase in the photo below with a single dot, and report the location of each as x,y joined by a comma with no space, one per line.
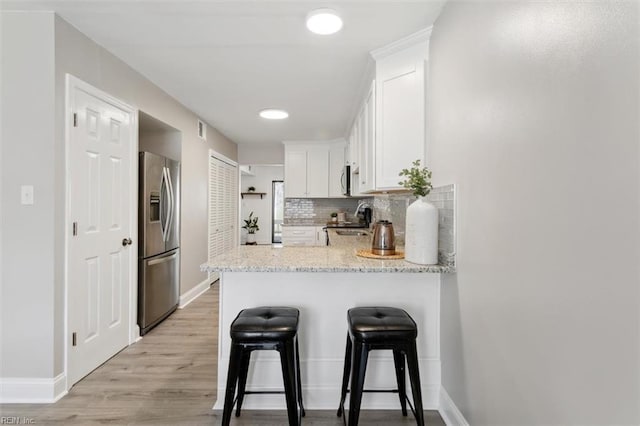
421,233
251,238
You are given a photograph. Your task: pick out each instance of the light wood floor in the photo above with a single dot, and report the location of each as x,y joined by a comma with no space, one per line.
169,378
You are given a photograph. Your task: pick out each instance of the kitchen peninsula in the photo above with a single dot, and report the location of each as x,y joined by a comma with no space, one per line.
323,283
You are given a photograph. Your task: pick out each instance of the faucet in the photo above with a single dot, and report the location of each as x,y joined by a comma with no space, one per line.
361,204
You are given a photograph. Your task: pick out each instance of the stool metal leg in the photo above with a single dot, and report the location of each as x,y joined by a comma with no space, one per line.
359,365
242,379
287,359
232,378
414,376
345,375
299,379
398,360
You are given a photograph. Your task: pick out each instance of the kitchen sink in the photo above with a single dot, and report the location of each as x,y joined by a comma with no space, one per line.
353,232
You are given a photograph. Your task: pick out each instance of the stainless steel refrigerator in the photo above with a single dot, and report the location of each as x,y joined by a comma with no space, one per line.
159,236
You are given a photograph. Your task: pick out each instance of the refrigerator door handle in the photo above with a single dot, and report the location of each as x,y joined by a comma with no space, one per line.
164,196
162,259
171,203
166,204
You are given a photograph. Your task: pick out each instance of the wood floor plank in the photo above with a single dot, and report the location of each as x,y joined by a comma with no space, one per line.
169,378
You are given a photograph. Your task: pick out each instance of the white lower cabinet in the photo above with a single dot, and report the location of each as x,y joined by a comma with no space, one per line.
309,236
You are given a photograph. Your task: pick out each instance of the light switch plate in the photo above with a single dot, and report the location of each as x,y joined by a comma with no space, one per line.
26,195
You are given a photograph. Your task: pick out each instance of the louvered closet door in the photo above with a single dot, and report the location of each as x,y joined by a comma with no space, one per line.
230,207
223,206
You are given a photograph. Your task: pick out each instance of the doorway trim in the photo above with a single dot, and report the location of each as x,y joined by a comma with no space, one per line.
72,83
273,208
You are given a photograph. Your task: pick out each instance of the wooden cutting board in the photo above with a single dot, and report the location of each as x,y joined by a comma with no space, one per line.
369,255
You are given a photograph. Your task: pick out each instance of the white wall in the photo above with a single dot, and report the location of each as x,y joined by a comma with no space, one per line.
27,269
78,55
263,208
533,113
158,137
261,153
38,49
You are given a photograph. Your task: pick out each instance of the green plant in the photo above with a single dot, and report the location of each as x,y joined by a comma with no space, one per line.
251,224
334,214
418,179
251,189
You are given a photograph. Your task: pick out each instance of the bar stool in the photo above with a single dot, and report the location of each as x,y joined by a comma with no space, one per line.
264,328
374,328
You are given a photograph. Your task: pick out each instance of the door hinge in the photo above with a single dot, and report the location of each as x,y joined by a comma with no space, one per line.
75,229
73,339
75,119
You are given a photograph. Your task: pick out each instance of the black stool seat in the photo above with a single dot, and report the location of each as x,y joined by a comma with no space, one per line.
264,328
380,323
373,328
265,323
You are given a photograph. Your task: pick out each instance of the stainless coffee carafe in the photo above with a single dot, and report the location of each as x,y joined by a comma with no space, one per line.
383,243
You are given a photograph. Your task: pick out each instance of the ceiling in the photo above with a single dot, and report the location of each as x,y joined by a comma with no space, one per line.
226,60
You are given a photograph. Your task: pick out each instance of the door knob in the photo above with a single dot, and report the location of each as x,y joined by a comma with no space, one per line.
126,242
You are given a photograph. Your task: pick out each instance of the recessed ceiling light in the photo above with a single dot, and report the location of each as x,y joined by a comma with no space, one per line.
274,114
324,21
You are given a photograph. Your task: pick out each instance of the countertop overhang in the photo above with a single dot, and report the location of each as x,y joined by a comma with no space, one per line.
338,257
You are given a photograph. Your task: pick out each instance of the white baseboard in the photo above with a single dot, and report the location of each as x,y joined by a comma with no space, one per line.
449,412
194,293
32,390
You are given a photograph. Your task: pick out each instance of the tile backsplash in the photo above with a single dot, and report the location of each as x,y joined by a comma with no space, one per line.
318,210
393,207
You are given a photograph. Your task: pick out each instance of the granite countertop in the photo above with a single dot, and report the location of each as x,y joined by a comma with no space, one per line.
340,256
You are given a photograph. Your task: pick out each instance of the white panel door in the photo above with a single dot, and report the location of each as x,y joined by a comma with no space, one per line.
100,209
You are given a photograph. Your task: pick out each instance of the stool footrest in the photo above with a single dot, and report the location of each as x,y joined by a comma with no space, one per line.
378,390
263,392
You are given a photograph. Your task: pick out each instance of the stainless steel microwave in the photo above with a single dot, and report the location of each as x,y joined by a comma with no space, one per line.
345,181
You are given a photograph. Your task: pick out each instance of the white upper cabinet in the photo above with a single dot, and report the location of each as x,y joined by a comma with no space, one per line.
317,172
400,118
354,147
313,169
337,180
390,125
295,172
367,137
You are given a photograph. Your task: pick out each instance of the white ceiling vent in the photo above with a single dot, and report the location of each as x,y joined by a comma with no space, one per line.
202,130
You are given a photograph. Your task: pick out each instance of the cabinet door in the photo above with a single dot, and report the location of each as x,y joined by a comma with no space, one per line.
321,236
336,169
367,150
317,172
400,116
295,173
299,235
353,149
